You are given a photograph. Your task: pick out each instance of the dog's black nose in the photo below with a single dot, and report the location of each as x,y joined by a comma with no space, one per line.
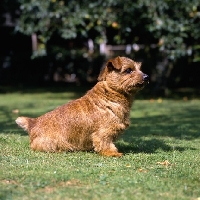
145,77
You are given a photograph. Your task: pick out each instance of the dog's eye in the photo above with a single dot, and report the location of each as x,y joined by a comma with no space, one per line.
129,70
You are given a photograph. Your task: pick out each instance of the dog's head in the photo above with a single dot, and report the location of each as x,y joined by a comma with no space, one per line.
124,75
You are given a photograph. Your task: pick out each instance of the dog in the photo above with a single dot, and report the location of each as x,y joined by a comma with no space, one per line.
94,121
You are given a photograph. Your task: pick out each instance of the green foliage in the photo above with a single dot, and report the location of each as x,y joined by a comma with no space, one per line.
68,18
161,130
173,25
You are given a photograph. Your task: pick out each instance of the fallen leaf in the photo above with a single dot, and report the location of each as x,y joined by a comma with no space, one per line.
165,163
142,170
151,100
185,98
16,111
159,100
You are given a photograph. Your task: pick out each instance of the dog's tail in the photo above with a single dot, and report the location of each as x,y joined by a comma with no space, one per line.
25,122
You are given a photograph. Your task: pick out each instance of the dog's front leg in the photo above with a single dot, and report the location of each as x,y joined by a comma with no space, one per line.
104,145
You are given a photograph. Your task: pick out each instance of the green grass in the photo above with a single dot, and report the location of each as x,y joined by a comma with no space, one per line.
161,130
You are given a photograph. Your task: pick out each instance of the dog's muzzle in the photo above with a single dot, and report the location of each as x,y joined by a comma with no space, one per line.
145,81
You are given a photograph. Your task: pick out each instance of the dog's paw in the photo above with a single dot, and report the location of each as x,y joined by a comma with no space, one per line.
111,153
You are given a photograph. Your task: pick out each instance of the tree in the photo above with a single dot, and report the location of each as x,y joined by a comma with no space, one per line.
68,18
173,25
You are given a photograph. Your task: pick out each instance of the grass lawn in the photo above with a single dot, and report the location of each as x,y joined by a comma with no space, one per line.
161,154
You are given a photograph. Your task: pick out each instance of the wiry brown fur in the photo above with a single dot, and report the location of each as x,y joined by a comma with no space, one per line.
93,121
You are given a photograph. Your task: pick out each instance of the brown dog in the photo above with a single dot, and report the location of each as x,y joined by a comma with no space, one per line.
93,121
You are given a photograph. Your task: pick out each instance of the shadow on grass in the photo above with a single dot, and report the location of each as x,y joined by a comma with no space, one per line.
149,134
151,145
55,90
7,122
178,93
139,145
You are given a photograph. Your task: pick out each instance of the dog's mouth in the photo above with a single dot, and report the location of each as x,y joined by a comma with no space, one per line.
142,84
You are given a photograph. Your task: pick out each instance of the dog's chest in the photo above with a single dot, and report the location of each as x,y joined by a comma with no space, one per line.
112,112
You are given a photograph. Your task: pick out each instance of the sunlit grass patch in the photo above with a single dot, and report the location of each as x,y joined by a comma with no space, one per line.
161,155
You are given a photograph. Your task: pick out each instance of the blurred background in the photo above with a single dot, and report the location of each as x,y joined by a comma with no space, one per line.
65,43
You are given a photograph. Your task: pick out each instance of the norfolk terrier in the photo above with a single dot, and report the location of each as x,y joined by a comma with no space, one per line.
94,121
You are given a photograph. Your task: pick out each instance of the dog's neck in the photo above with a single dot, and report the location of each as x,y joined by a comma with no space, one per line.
113,95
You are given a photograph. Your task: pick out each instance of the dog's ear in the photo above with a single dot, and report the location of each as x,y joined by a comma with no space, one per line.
110,65
115,63
138,64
